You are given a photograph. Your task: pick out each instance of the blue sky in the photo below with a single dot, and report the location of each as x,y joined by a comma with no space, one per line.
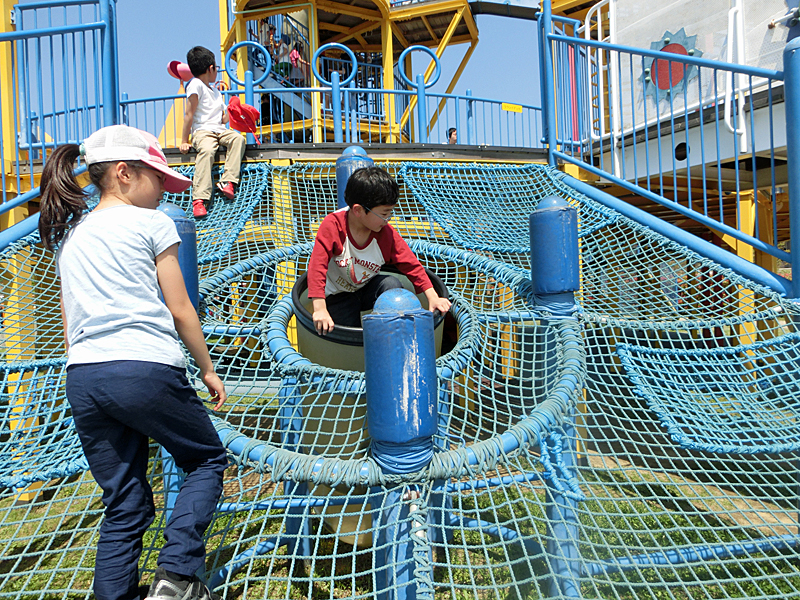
151,33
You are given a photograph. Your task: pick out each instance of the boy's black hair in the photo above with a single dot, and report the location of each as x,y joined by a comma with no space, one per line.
199,59
371,187
450,132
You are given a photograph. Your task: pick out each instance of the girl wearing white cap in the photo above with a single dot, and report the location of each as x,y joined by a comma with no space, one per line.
126,377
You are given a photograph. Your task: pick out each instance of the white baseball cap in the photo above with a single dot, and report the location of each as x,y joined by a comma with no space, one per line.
121,143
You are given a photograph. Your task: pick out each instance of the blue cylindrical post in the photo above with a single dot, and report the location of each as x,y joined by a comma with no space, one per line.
401,387
187,259
470,118
249,98
352,159
187,250
109,66
555,269
422,112
548,92
555,276
124,108
400,371
336,106
791,90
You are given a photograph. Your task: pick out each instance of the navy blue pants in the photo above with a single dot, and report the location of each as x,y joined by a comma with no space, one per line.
345,307
117,406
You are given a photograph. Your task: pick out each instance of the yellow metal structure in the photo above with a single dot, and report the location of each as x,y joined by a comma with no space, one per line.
363,26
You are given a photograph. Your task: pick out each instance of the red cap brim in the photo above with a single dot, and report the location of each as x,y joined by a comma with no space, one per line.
174,182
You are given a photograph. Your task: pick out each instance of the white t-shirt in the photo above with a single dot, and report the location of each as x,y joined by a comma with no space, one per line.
110,289
210,107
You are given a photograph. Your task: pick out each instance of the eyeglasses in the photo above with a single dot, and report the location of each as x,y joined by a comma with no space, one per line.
385,220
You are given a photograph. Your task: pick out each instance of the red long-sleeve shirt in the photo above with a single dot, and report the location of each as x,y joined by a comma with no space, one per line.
339,265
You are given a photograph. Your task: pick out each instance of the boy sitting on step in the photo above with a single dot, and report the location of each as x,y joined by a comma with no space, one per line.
206,119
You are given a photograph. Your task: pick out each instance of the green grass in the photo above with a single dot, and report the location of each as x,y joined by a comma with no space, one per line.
48,545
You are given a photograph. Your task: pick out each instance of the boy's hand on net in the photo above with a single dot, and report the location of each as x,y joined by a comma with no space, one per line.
440,304
322,321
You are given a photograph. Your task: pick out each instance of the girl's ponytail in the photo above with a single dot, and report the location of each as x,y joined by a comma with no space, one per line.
63,200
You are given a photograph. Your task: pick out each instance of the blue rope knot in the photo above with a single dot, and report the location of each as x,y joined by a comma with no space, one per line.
423,568
560,476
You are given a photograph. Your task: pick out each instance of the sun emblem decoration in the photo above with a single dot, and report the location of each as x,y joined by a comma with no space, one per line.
663,78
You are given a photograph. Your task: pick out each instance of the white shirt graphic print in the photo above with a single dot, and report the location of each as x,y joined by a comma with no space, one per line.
353,268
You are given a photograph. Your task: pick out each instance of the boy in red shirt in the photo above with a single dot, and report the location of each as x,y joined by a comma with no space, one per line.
351,246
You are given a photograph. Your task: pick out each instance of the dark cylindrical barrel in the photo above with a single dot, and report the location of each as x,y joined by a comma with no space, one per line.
187,250
352,159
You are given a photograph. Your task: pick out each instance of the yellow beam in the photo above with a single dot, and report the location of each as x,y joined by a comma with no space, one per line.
334,27
225,32
387,50
316,105
356,32
432,65
414,11
425,22
560,6
453,82
459,39
7,84
470,22
345,9
399,35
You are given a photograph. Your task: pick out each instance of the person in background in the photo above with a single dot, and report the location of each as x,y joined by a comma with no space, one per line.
299,72
452,136
206,119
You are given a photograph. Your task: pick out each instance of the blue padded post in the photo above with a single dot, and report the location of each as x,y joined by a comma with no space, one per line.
401,387
400,371
555,275
791,88
187,250
352,159
187,259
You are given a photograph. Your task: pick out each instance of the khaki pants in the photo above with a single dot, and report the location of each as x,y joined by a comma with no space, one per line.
206,144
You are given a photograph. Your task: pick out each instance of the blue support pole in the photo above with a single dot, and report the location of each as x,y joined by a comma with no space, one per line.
187,259
401,382
422,112
109,66
173,480
298,530
187,249
548,92
336,106
352,159
470,118
791,90
555,275
249,98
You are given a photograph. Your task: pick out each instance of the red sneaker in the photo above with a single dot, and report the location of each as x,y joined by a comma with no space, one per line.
226,189
198,208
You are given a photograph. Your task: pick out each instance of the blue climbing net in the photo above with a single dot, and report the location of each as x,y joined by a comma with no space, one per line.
646,448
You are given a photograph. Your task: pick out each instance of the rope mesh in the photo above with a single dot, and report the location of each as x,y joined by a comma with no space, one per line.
686,480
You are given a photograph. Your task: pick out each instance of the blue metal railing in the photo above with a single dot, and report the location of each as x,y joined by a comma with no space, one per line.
688,133
64,82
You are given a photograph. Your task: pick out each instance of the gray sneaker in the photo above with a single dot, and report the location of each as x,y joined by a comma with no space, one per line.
164,588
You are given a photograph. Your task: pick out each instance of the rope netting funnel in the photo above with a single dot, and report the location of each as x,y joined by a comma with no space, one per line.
646,450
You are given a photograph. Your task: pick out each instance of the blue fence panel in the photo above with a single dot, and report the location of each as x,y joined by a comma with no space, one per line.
689,133
59,80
